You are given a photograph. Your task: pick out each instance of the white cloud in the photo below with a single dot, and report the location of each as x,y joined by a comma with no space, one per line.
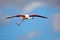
22,3
52,3
31,6
56,21
58,38
30,35
33,34
3,21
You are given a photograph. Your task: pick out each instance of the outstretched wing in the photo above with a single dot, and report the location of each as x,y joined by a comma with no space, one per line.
38,16
15,16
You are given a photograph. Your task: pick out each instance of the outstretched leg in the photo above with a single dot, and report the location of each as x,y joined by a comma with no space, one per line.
19,22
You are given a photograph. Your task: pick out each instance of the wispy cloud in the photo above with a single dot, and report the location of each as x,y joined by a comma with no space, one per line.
23,3
3,21
33,34
58,39
56,21
31,6
54,3
30,36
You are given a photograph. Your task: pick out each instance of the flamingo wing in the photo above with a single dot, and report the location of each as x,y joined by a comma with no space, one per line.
15,16
38,16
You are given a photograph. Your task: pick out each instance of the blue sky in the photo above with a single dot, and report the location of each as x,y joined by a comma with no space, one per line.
11,31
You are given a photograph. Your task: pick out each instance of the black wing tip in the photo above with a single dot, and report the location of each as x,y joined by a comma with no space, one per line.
45,17
8,17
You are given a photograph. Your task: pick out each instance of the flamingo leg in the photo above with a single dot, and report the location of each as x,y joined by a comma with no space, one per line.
20,22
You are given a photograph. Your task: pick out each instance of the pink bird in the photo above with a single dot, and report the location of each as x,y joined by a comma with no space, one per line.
26,16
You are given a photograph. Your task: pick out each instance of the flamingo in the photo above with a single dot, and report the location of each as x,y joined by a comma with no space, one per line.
26,16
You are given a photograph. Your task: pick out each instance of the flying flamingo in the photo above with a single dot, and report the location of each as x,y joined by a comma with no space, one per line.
26,16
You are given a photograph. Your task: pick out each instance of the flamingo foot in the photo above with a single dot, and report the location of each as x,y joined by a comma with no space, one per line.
18,24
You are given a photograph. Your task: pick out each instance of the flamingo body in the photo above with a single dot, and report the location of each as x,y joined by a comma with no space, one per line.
26,16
